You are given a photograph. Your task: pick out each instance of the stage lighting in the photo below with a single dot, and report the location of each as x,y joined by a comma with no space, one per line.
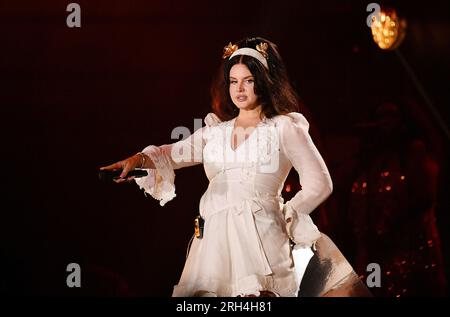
388,30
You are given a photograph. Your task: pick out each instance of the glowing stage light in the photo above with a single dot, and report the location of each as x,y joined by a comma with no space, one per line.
388,30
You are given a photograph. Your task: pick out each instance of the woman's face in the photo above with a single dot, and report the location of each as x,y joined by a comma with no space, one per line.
242,90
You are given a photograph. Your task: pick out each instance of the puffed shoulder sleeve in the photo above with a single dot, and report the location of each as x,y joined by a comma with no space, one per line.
315,179
160,182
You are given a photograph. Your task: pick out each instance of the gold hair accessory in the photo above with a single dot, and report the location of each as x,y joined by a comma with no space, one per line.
262,48
260,53
229,49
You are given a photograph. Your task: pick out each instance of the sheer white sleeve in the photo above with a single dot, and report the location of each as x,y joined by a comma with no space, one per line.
160,182
314,178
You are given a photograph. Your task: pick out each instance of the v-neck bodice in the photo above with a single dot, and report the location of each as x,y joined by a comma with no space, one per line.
234,127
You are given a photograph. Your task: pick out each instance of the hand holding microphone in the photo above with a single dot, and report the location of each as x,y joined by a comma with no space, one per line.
114,175
125,170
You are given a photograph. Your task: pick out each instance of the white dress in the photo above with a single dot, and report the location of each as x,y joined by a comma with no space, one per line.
245,248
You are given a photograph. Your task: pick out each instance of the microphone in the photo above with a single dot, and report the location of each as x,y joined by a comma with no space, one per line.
109,175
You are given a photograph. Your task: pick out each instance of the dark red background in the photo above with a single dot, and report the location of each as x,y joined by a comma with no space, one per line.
76,99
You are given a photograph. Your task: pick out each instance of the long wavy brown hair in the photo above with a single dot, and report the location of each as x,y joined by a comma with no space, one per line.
272,86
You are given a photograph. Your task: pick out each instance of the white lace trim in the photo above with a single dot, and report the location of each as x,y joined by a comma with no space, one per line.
160,182
300,227
260,148
250,285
